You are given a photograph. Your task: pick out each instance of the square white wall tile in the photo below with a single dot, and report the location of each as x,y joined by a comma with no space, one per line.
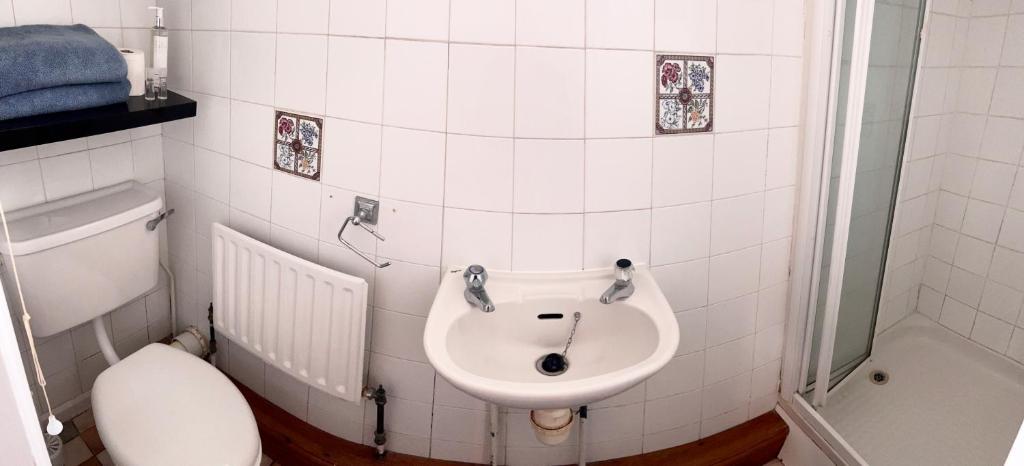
211,62
477,237
105,13
1003,140
213,123
741,91
412,165
786,102
481,80
428,63
549,176
355,73
685,26
1008,97
551,242
680,233
685,285
250,188
620,25
398,335
683,167
549,93
734,274
111,164
744,26
405,287
211,15
212,174
252,133
301,81
352,155
63,175
406,379
618,174
358,17
783,166
788,28
413,232
740,163
725,361
418,19
614,235
254,15
984,41
252,66
546,23
735,223
730,320
42,12
483,21
478,173
692,330
295,204
618,93
302,16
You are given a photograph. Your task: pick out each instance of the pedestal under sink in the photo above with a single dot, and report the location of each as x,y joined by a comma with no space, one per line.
495,356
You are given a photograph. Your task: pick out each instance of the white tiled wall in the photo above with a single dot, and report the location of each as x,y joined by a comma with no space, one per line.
71,360
963,201
517,134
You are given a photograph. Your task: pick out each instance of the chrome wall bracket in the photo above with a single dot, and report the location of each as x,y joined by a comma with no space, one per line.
364,213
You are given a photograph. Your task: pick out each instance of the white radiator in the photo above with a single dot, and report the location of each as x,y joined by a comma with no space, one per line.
303,318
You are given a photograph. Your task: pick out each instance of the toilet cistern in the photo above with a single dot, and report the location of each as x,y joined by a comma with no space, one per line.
623,287
476,276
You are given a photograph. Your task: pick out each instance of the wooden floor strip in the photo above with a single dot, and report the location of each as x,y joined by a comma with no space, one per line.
291,441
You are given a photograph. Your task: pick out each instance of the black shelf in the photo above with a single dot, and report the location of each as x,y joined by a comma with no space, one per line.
53,127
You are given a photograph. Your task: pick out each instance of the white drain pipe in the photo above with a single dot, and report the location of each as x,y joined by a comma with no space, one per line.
103,340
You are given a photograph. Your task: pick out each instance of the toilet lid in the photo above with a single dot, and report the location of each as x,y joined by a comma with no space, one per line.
162,406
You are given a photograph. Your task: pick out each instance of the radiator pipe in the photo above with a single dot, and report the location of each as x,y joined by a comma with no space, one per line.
212,359
380,398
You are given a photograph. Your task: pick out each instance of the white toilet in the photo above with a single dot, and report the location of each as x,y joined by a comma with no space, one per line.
82,257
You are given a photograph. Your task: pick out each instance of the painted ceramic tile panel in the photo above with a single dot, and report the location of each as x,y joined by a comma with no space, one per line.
685,97
297,144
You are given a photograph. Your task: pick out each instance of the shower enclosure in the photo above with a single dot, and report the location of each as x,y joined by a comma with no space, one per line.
906,344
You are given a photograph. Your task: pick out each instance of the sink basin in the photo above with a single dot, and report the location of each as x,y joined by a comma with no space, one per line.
494,356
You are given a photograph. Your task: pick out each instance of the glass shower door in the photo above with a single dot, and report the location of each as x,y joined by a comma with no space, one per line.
872,101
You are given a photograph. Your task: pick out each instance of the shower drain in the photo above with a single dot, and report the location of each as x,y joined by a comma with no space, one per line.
879,377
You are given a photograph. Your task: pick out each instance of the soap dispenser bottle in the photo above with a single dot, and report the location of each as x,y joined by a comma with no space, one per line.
158,71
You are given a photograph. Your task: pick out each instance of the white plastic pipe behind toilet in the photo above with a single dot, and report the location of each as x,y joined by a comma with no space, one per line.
190,341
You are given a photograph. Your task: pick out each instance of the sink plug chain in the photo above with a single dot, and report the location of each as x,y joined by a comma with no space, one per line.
572,333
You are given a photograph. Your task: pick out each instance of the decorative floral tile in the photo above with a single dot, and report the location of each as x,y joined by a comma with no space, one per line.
685,97
297,144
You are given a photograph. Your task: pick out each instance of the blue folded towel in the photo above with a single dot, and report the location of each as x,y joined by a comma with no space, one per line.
63,98
44,56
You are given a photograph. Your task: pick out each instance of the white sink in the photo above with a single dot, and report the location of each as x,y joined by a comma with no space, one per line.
493,356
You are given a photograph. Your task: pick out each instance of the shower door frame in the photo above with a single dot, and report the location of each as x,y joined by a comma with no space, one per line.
824,32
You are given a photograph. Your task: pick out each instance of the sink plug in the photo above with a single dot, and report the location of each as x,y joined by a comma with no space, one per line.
555,363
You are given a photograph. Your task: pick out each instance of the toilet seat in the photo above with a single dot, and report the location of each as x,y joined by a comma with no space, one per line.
162,406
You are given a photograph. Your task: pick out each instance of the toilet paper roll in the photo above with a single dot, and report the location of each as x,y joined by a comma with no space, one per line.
136,60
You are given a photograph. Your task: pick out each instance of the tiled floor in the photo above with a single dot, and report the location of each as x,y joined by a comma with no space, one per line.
82,445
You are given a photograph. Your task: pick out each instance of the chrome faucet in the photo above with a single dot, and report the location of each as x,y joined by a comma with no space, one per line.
476,277
623,286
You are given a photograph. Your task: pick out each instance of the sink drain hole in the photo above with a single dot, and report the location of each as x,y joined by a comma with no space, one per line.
552,364
879,377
